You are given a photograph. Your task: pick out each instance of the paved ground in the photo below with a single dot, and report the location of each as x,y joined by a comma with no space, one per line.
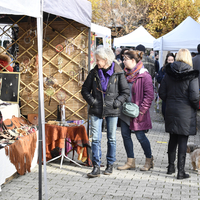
71,181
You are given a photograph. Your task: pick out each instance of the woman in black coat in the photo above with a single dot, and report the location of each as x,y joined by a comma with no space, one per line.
170,58
180,89
105,90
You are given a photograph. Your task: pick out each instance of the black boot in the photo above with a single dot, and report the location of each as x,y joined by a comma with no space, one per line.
95,172
108,169
181,165
171,159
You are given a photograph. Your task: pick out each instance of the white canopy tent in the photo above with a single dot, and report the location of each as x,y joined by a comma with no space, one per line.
79,11
139,36
185,35
104,32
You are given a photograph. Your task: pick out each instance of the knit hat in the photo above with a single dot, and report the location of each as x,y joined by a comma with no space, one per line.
140,47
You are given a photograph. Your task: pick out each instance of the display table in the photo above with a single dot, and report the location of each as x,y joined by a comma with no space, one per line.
55,137
7,169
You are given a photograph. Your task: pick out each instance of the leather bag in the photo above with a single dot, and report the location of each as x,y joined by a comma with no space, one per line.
130,109
33,118
9,124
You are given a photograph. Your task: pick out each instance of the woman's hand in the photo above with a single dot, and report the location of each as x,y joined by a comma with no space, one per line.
140,117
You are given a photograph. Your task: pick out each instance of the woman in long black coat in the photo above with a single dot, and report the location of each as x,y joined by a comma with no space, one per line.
180,89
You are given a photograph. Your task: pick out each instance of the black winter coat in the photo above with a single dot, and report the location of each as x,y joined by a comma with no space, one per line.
116,94
180,89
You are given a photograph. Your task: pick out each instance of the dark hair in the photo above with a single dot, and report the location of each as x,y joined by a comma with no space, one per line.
198,48
122,52
167,56
135,54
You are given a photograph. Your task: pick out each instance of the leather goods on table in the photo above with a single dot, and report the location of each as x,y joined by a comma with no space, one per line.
21,152
33,118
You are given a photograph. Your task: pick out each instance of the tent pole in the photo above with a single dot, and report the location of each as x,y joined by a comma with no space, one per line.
161,53
41,107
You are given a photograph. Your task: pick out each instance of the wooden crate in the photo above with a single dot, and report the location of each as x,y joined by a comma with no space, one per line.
65,57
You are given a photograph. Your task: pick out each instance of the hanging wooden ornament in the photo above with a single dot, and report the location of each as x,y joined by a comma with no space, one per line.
61,96
24,65
50,91
50,84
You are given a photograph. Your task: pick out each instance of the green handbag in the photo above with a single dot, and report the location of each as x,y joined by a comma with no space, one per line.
130,109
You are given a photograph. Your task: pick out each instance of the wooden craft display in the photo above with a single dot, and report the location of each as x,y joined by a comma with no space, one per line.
65,58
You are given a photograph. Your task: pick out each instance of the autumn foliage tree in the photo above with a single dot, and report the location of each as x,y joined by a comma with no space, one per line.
165,15
123,16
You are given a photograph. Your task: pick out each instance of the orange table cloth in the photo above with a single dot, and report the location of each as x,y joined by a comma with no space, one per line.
55,137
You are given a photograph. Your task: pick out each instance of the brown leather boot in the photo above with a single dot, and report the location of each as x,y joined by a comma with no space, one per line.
148,164
130,164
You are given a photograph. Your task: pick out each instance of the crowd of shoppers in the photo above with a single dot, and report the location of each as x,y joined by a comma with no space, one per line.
111,83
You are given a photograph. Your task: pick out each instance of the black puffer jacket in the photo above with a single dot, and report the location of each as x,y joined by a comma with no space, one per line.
116,94
180,89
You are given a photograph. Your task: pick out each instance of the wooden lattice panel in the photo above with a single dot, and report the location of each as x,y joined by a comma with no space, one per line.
65,58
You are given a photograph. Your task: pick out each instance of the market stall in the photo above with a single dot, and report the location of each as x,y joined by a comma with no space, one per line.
138,36
60,63
180,37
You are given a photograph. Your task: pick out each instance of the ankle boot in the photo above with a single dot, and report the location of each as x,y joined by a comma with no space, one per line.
148,164
130,164
108,169
95,172
171,159
181,165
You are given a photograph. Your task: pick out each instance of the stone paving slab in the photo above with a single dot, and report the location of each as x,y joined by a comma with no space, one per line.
71,181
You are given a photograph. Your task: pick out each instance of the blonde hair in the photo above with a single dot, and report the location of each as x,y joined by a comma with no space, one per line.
184,55
106,54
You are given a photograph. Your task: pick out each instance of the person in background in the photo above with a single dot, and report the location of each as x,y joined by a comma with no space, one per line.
193,54
142,94
180,90
122,57
118,54
157,65
196,61
148,63
105,90
5,60
170,58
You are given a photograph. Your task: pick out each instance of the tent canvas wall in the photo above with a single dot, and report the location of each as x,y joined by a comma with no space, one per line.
139,36
185,35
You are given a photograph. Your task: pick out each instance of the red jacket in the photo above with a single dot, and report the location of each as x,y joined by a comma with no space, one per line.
142,95
4,61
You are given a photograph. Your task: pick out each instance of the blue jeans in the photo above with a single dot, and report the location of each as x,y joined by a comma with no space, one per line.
96,126
128,143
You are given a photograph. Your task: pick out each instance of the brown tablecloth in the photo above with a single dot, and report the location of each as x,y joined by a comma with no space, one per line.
55,137
21,152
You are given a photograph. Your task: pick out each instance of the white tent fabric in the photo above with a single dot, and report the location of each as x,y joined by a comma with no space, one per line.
104,32
80,11
100,30
20,7
185,35
139,36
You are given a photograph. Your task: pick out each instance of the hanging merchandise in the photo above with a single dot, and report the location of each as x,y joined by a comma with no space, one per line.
50,85
61,96
24,65
69,47
81,78
59,49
